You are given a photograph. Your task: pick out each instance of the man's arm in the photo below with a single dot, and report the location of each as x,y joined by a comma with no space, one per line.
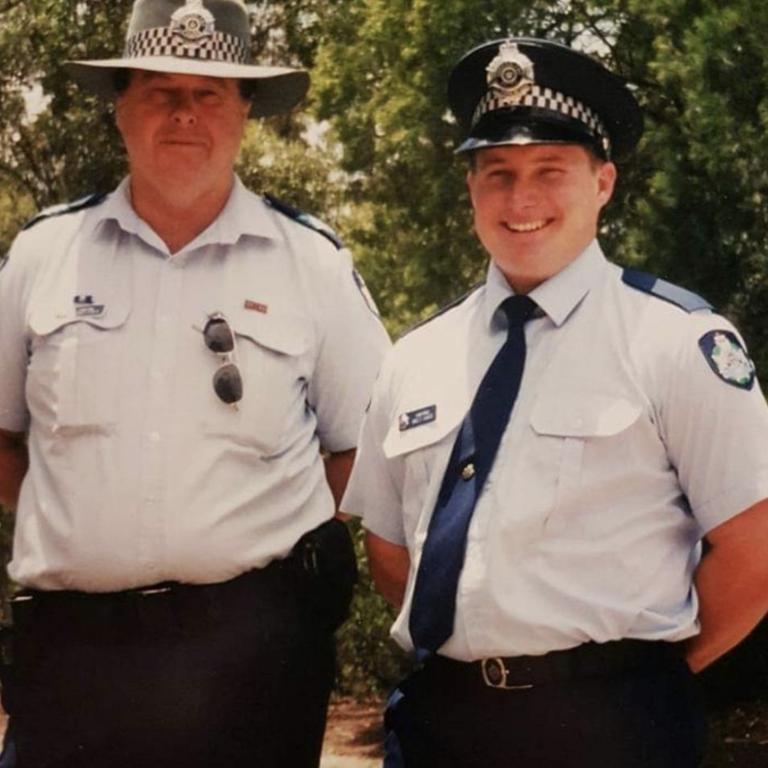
338,467
14,461
389,564
732,584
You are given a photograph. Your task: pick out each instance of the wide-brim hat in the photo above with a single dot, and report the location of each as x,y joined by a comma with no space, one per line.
195,37
525,91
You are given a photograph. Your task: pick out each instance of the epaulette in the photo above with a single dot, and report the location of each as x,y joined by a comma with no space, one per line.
443,310
661,289
73,207
307,219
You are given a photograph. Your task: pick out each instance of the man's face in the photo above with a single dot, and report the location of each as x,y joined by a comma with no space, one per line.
181,132
536,207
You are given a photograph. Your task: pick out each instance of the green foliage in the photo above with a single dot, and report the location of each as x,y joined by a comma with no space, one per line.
690,205
369,661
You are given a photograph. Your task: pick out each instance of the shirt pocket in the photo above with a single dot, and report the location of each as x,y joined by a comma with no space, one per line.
74,368
271,354
587,440
424,451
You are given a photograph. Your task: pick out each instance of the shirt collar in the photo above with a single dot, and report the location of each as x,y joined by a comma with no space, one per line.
244,214
558,296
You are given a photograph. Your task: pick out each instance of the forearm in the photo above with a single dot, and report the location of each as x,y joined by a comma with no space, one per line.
389,564
14,461
732,585
338,467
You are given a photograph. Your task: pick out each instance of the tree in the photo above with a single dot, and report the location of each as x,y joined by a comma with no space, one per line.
689,204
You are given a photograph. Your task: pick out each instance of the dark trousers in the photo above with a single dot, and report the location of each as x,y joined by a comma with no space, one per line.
648,717
235,674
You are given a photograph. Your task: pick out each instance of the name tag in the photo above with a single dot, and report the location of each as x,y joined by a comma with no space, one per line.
418,417
89,310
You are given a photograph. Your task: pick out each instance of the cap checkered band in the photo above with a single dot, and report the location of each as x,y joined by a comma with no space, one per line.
544,98
162,41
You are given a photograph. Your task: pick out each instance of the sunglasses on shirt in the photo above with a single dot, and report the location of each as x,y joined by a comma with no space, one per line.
220,339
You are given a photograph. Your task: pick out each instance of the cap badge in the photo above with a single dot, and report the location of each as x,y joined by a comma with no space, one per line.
510,73
192,22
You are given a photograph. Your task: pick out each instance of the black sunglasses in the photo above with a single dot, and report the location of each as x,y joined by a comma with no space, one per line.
219,338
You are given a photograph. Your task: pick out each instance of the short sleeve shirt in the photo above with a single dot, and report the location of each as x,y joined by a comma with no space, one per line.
623,449
139,473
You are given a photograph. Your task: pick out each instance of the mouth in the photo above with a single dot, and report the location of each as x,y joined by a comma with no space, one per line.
526,226
182,143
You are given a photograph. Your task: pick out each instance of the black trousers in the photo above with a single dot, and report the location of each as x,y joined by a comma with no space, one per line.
235,674
649,717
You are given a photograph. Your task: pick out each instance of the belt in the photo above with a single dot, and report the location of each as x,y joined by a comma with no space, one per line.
193,604
517,673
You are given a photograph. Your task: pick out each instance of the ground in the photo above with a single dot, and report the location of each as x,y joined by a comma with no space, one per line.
354,734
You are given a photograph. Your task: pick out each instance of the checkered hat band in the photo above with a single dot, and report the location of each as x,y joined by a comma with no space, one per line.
161,41
544,98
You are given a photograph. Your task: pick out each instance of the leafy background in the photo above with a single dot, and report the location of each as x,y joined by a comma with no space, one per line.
372,153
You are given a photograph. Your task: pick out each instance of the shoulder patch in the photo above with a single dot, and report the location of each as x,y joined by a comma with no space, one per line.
443,310
727,358
57,210
661,289
307,219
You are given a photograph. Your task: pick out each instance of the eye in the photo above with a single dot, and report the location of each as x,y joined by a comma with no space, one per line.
209,98
160,96
551,173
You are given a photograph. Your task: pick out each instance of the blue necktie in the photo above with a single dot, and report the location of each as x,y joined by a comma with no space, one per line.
433,607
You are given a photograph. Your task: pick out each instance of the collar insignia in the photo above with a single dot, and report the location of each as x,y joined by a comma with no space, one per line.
510,73
192,22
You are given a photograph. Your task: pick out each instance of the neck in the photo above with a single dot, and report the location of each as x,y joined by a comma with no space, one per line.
178,216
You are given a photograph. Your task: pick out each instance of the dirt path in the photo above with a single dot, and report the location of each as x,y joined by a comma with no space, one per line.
354,735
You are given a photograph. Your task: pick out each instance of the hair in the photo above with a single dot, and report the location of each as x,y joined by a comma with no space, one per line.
248,89
121,79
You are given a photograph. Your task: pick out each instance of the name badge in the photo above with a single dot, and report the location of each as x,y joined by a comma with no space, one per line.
418,417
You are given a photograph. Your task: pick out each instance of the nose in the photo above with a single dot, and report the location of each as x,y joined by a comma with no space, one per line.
184,113
522,194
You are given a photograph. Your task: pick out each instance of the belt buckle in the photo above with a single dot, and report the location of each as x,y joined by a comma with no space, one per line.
495,675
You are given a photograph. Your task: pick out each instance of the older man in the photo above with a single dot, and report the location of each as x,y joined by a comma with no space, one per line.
541,460
183,369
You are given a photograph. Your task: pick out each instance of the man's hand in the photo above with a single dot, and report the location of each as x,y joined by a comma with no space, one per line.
732,584
14,461
389,564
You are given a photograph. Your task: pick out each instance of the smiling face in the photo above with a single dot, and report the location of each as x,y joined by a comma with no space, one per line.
537,206
182,132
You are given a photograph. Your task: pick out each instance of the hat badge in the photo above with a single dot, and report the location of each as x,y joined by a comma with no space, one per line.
510,73
193,22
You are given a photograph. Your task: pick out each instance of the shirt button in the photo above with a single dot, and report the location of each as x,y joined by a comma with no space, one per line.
154,437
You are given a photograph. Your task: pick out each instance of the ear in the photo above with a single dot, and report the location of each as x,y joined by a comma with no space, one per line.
606,181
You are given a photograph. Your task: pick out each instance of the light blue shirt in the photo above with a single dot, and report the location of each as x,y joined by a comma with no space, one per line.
138,472
623,449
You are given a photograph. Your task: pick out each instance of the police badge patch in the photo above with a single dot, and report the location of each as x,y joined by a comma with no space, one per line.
727,358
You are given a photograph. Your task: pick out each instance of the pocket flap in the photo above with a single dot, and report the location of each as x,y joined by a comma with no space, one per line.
46,320
401,439
588,416
283,333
